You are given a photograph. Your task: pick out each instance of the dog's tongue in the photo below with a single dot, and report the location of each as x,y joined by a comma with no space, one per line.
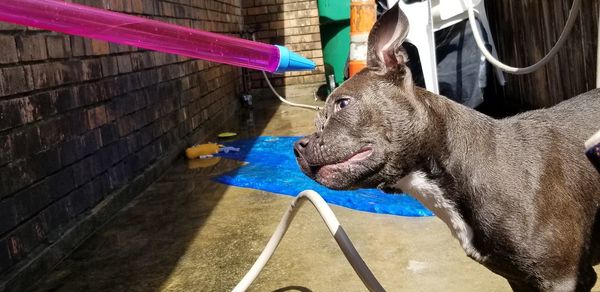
362,154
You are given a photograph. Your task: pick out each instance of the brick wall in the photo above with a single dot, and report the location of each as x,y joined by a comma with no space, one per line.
83,121
293,23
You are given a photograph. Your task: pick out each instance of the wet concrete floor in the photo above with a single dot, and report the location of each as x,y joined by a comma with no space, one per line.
187,233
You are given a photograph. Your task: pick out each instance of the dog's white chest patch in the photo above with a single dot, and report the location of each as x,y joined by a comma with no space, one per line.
431,195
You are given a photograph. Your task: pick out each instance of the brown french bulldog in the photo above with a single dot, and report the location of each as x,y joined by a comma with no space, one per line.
517,193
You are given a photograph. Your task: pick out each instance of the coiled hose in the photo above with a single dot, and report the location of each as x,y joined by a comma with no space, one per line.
359,265
514,70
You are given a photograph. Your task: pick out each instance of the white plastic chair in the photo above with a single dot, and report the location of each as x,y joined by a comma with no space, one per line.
427,17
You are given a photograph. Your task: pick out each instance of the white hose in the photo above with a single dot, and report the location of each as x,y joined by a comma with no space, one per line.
313,107
334,227
561,40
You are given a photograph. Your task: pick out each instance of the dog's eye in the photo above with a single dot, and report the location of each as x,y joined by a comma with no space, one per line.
341,103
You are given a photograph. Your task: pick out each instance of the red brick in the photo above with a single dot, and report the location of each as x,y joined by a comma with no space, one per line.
91,69
31,200
6,149
32,47
10,114
124,62
99,47
138,6
5,261
8,216
96,116
8,48
109,66
77,46
13,80
56,47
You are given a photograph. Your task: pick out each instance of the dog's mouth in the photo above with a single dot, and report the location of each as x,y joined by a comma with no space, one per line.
327,170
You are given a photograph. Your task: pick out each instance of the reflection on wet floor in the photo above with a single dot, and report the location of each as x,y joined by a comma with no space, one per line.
187,233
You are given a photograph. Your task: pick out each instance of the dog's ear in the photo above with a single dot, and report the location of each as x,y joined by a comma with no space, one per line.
385,52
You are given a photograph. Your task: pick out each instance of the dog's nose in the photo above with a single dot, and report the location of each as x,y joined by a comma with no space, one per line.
303,142
300,145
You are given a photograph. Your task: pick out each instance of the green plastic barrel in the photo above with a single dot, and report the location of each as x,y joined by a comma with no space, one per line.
334,19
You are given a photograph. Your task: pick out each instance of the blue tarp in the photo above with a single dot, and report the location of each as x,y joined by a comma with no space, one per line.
272,167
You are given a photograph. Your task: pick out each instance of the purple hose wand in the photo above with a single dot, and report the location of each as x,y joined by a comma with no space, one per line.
150,34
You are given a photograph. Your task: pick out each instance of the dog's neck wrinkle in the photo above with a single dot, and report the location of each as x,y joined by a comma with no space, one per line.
463,131
465,135
452,113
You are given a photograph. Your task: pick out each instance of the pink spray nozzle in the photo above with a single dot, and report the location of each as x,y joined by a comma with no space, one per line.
146,33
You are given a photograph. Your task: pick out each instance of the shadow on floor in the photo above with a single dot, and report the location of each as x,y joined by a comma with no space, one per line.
293,288
141,247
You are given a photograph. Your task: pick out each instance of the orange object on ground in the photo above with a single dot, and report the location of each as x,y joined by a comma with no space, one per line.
363,14
202,149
